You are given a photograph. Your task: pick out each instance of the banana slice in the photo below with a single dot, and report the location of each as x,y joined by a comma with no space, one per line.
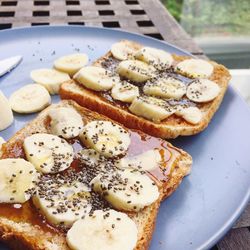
71,63
126,189
48,153
6,115
17,180
2,141
63,199
124,92
147,161
51,79
135,70
202,90
107,138
65,122
110,230
96,78
29,99
195,68
122,50
165,87
190,114
151,108
160,59
90,157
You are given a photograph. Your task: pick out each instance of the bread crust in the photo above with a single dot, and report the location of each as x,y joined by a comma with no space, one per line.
169,128
25,235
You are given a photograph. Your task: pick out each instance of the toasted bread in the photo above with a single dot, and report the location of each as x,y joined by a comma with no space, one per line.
170,127
24,228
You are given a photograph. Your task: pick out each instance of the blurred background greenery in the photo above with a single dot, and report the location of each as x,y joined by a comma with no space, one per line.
220,27
211,17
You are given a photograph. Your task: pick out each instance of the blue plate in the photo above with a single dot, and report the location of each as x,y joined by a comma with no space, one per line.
208,201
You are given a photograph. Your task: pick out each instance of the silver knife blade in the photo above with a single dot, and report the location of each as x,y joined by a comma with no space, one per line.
6,65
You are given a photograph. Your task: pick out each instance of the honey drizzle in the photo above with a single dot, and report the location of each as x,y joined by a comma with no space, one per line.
139,144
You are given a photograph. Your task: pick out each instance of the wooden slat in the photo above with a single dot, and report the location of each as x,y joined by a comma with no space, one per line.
244,220
236,239
168,27
125,17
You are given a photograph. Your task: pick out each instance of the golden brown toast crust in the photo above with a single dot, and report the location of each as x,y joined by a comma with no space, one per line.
169,128
25,235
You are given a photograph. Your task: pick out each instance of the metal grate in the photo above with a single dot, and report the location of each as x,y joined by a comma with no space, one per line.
146,17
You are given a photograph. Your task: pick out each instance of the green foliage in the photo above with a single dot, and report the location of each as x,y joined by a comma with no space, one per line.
200,17
174,7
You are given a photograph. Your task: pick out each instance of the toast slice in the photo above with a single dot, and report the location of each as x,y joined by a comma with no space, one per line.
171,127
25,228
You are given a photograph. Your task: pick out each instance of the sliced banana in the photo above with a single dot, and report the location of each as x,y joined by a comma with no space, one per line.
65,122
90,157
190,114
96,78
122,50
6,115
2,141
124,91
126,189
135,70
71,63
160,59
165,87
147,161
107,138
29,99
110,230
48,153
151,108
51,79
202,90
195,68
63,199
17,180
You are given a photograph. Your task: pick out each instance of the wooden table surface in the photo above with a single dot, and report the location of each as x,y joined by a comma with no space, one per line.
148,17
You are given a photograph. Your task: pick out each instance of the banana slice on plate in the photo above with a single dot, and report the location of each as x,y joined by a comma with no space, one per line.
109,230
65,122
107,138
63,199
48,153
151,108
192,115
29,99
122,50
6,115
51,79
147,161
158,58
17,180
135,70
195,68
96,78
126,189
124,91
165,87
202,90
71,63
